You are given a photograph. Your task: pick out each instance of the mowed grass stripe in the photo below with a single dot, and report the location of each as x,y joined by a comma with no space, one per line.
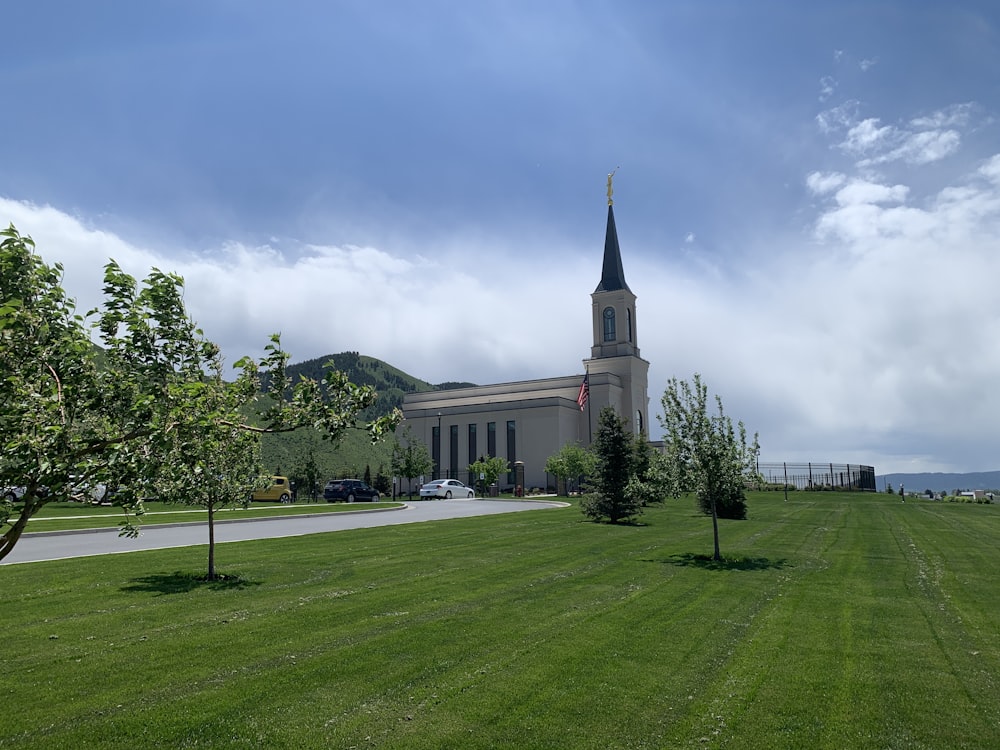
532,630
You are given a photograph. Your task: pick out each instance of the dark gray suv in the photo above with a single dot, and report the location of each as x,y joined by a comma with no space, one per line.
349,490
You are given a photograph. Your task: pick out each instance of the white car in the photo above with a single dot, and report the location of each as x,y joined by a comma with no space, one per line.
446,488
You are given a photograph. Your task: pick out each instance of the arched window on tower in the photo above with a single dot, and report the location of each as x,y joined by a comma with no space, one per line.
628,320
640,427
609,324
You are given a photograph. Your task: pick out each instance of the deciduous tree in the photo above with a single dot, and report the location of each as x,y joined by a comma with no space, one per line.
51,430
487,470
410,458
705,454
571,463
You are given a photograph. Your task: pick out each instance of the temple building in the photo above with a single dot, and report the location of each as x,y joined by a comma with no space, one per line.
530,420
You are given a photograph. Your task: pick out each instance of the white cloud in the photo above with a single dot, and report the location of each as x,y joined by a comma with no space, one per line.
867,64
820,184
867,136
919,148
827,85
991,169
953,116
837,118
922,140
454,318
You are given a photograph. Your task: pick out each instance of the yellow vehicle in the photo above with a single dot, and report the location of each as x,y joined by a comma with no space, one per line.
280,490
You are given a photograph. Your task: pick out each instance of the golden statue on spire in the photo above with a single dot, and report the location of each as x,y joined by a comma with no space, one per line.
610,190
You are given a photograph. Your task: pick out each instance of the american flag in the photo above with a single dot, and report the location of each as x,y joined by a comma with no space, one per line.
584,394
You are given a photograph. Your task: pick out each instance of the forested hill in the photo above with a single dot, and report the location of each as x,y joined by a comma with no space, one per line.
390,382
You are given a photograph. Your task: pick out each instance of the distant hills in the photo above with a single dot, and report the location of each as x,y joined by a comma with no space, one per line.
390,382
290,453
940,481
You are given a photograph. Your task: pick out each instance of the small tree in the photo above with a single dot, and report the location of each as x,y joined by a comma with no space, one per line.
706,455
310,475
381,482
615,457
571,462
489,469
410,458
200,448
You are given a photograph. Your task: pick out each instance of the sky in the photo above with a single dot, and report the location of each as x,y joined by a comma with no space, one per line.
807,195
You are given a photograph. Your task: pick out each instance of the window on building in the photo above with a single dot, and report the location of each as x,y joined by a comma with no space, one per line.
491,439
511,448
628,320
436,450
640,427
473,449
453,452
609,324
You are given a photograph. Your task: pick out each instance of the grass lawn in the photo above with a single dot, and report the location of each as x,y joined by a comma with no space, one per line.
836,621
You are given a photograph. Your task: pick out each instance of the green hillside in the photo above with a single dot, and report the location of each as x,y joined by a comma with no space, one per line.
289,453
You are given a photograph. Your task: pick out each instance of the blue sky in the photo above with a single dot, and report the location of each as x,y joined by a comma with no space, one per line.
808,199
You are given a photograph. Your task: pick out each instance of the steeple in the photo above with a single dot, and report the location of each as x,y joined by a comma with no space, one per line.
612,274
617,374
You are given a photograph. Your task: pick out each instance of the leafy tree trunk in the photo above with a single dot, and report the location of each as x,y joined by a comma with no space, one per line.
9,539
715,531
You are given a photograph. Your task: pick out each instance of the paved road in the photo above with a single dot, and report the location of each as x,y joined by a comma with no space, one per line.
60,545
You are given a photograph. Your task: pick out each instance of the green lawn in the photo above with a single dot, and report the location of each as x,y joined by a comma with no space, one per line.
837,621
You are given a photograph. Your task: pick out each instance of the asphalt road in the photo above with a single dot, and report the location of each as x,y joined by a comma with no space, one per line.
60,545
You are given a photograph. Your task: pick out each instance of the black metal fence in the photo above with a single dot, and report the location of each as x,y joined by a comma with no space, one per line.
819,476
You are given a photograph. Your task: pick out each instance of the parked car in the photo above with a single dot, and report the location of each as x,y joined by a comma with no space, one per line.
11,494
279,490
349,490
446,488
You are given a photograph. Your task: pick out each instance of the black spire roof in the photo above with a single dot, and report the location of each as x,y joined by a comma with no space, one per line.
612,275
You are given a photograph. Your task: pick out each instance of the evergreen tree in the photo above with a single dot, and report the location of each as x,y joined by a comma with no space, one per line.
609,495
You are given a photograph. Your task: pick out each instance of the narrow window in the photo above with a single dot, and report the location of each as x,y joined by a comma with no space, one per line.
473,449
491,439
609,324
511,449
453,452
628,320
436,450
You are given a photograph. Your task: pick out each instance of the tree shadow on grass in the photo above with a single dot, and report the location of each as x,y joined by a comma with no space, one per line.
181,583
705,562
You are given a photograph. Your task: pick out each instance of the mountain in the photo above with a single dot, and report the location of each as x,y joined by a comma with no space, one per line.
941,482
290,453
390,382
